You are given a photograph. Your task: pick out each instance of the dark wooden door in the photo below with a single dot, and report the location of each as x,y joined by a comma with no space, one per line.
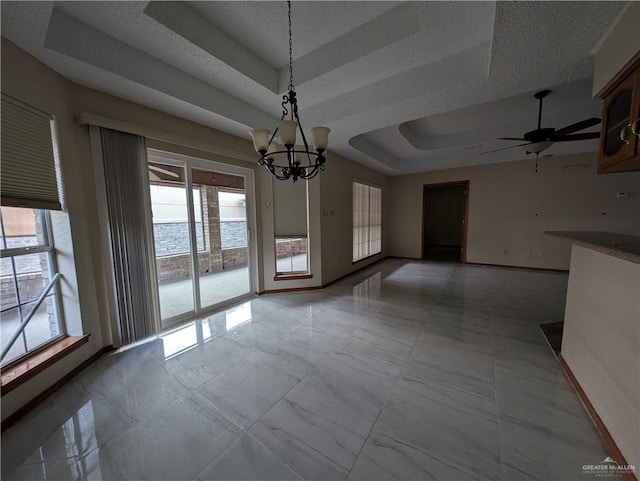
444,217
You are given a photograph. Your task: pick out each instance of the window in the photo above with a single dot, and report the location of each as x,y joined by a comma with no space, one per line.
233,219
290,227
291,255
29,302
171,222
28,274
367,221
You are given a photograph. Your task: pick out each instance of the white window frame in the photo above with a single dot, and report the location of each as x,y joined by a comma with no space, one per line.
46,246
291,239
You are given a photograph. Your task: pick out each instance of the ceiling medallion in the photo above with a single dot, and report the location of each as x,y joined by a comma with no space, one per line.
291,161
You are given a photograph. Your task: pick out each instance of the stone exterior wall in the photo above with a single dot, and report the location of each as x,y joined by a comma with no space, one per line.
171,238
30,285
233,233
290,247
236,257
171,268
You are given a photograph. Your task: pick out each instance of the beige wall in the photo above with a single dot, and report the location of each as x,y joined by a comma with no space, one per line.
30,81
85,303
336,215
601,341
78,236
618,48
510,206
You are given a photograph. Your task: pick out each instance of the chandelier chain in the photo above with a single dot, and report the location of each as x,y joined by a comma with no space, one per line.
291,87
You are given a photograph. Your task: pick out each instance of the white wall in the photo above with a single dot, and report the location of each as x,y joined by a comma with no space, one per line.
510,207
601,341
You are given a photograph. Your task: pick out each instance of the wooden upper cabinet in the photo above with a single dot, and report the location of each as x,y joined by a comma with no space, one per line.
620,134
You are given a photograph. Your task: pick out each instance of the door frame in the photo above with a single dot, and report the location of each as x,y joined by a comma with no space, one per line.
189,163
465,217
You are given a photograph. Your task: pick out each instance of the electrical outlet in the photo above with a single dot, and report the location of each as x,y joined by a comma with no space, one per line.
540,253
505,252
527,252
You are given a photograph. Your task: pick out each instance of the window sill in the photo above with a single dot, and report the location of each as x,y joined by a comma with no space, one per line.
17,375
292,277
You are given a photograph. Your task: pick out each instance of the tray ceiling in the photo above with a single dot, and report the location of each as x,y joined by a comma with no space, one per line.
404,86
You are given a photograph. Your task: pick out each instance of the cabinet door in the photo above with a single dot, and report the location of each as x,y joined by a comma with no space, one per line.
619,113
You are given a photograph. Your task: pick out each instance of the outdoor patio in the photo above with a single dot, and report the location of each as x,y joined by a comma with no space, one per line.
176,297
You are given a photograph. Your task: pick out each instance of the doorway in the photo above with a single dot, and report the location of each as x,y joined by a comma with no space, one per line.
444,221
201,224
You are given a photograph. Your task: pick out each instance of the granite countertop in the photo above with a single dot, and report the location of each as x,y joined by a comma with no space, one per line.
622,246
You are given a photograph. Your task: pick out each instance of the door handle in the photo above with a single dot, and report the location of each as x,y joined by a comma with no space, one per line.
634,128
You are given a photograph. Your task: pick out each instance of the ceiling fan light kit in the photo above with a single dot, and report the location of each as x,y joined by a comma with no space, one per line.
288,160
537,147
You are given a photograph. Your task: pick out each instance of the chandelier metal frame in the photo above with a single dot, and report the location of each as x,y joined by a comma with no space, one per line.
300,164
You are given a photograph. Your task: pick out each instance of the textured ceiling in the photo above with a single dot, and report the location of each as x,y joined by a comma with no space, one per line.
404,86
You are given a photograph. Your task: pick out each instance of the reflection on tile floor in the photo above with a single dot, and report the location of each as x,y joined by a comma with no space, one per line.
405,370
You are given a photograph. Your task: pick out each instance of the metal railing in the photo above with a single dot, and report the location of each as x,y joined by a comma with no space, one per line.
29,316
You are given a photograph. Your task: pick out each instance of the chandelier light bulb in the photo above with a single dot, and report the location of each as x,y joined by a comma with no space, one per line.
320,138
260,139
287,130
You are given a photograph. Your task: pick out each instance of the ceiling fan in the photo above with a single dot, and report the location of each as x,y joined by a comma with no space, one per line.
153,176
540,139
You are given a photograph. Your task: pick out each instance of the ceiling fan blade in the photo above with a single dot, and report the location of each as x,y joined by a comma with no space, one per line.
505,148
584,124
164,171
569,138
510,138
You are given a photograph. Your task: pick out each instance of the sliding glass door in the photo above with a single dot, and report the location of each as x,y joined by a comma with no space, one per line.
200,228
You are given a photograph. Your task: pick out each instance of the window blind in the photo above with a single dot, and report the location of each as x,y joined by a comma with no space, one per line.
122,157
367,221
29,177
290,208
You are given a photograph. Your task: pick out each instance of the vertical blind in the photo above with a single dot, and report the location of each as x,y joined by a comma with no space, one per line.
29,175
367,220
122,157
290,208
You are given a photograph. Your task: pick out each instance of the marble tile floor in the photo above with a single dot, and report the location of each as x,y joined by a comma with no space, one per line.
405,370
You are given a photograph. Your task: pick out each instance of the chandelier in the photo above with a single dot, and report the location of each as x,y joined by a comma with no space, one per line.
288,160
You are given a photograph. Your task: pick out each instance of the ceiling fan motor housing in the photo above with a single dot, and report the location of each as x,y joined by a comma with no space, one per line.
539,135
